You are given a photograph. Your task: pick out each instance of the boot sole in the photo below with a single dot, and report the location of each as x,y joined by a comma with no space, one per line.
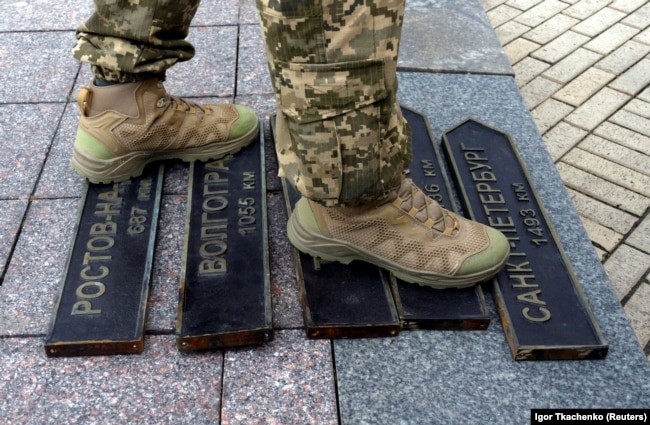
318,245
131,165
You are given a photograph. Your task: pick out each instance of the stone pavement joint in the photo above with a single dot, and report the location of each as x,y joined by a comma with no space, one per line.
584,71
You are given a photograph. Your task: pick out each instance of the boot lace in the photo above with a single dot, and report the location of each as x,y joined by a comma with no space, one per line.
180,104
418,205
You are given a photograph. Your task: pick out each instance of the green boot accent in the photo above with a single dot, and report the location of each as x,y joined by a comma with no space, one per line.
246,121
498,248
93,146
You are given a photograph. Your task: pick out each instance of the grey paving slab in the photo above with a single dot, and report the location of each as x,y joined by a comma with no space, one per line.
165,279
29,290
436,36
51,71
248,13
161,386
58,179
287,312
217,12
288,381
467,377
84,78
26,132
252,70
176,178
42,15
11,217
212,70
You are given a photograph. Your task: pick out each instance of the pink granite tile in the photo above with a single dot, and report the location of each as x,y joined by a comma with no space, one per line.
253,71
160,386
58,179
176,178
248,13
43,15
287,312
288,381
28,293
27,131
11,216
51,70
163,299
217,12
212,70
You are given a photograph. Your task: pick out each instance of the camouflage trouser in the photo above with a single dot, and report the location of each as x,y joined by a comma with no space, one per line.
341,138
129,40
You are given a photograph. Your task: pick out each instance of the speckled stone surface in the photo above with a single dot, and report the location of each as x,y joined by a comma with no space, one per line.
217,12
287,312
30,286
24,152
460,378
160,386
163,298
248,13
288,381
253,71
450,36
43,15
176,178
44,52
11,216
212,70
58,179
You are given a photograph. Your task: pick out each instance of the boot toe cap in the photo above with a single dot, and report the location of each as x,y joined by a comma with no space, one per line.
490,260
246,122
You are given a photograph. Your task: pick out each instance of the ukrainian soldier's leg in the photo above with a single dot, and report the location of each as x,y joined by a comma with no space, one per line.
342,138
127,117
343,143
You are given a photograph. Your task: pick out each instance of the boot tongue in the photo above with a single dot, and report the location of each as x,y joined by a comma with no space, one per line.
424,209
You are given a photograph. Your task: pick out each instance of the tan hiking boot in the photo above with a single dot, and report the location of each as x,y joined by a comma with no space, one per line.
408,234
124,127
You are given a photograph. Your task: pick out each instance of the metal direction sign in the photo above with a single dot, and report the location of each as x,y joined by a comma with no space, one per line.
542,306
225,294
343,301
422,307
361,300
103,297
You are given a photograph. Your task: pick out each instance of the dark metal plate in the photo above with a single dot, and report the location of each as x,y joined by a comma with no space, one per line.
103,298
343,301
542,306
225,293
422,307
351,301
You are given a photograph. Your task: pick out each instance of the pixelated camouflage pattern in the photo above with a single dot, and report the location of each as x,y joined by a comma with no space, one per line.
130,40
341,138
